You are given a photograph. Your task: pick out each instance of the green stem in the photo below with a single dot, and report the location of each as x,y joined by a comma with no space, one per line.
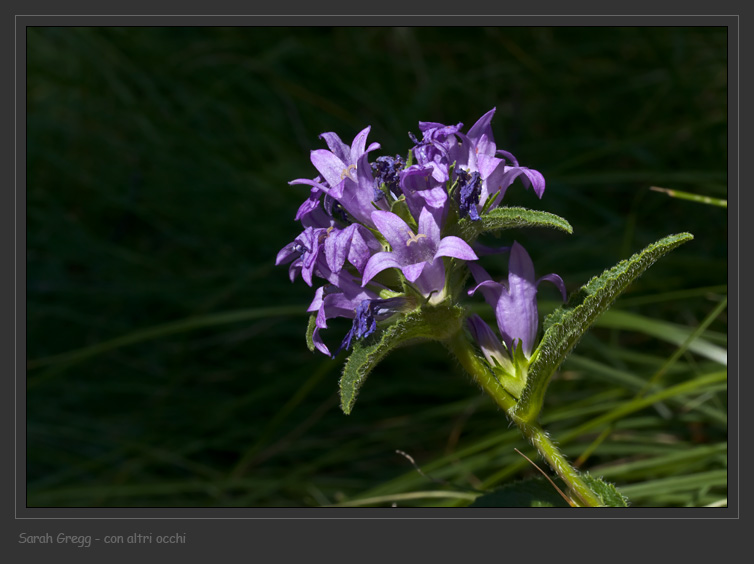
461,348
547,449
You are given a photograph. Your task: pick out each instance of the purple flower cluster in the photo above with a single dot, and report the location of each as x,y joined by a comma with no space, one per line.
374,232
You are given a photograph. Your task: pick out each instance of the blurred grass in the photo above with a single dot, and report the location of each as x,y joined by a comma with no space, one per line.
157,198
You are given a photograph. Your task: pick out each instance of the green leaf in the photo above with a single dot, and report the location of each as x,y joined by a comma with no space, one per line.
400,208
310,332
510,218
431,323
673,484
692,197
670,332
606,491
533,492
566,325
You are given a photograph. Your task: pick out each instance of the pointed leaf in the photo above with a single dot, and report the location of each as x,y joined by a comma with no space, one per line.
606,491
510,218
310,332
400,208
565,326
433,323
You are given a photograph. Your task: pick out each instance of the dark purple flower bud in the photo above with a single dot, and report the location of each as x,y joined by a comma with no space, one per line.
364,324
476,153
386,171
340,298
470,188
367,313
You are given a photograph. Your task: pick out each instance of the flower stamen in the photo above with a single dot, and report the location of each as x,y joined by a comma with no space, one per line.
324,234
413,238
346,172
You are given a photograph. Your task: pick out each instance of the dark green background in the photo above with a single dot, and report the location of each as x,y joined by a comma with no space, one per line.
158,162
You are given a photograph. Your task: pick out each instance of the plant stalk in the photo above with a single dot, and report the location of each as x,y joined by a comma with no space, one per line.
462,349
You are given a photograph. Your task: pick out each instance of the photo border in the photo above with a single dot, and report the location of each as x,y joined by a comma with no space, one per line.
229,526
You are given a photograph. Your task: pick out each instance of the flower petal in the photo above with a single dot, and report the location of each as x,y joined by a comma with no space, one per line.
479,273
482,333
484,250
340,149
367,186
436,201
432,278
394,229
418,185
310,204
455,247
306,274
329,166
558,281
337,245
316,218
413,271
309,182
429,226
480,134
508,156
495,185
491,291
520,266
530,177
463,154
286,254
317,301
294,269
516,310
491,347
363,245
517,318
378,263
339,305
429,125
537,180
332,305
359,142
355,192
487,164
309,212
319,344
354,243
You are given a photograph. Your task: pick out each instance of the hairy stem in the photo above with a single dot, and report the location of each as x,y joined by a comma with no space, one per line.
462,349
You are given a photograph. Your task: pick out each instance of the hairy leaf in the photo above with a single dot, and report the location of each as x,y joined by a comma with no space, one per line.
510,218
431,323
310,332
566,325
606,491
